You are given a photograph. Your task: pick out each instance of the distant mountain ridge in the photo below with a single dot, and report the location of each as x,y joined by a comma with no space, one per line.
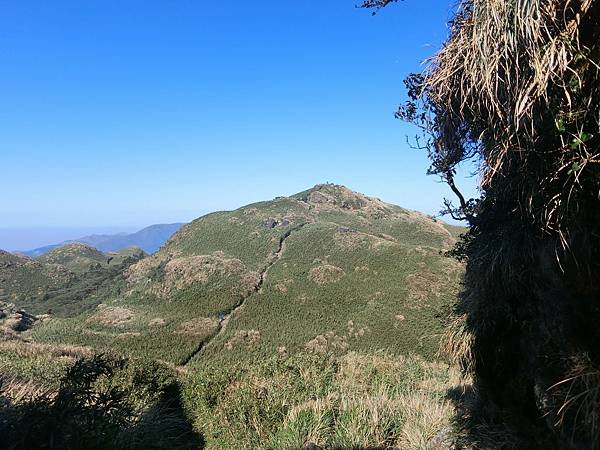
149,239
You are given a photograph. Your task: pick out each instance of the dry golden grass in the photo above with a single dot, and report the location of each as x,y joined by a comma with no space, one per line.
325,274
180,272
157,322
503,64
353,401
200,327
335,197
16,391
349,240
328,342
243,338
28,349
128,334
425,223
457,343
283,285
424,418
422,287
368,410
185,271
113,316
141,271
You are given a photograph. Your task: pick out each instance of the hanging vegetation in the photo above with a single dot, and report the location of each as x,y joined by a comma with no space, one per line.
516,90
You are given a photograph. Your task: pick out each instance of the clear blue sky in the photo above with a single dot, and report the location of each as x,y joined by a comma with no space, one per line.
125,113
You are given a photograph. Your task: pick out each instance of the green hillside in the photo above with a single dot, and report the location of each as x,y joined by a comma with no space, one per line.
326,269
66,281
310,318
22,278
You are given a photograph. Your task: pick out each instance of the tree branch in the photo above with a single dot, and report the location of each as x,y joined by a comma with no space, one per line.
449,177
377,4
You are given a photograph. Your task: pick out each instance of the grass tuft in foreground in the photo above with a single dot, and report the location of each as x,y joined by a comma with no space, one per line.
355,401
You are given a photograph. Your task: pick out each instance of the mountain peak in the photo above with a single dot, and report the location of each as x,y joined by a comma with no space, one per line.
330,196
74,249
331,188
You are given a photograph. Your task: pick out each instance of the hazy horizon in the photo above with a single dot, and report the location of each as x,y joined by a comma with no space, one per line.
22,238
28,238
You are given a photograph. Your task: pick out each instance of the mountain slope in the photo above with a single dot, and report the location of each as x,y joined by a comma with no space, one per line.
66,281
148,239
326,270
22,277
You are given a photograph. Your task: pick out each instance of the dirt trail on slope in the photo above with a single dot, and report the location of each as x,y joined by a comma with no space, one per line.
257,289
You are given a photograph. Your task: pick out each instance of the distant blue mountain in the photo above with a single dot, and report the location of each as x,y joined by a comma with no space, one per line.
149,239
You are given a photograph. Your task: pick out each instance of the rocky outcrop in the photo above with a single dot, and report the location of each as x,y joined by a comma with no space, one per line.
14,321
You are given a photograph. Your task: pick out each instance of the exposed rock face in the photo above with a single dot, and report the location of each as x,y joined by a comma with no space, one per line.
14,320
273,223
330,197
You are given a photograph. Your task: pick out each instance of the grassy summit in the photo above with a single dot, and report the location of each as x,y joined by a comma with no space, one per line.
324,270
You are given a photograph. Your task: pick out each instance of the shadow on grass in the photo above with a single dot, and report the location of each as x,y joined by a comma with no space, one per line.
480,425
95,409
